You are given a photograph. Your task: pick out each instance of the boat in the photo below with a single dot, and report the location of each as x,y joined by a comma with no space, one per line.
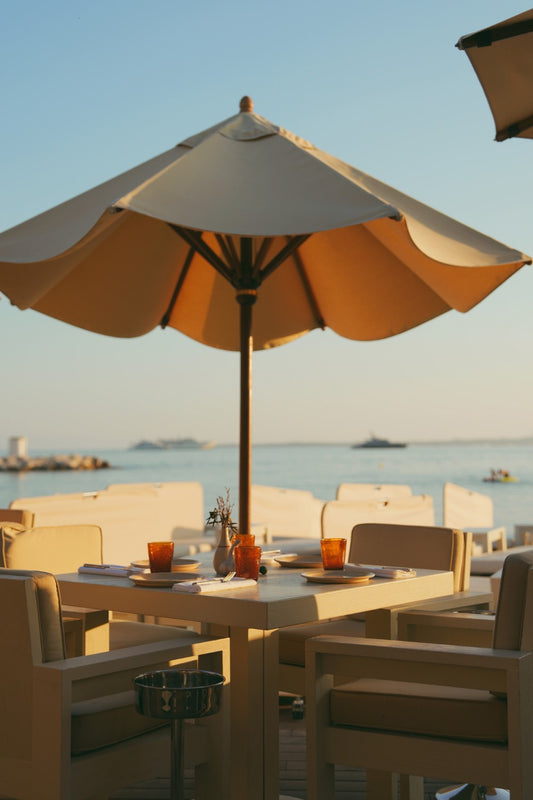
172,444
500,476
374,442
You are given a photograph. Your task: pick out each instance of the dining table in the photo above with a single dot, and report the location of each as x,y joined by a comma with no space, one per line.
252,617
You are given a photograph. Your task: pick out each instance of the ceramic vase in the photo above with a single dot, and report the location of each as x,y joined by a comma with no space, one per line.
223,556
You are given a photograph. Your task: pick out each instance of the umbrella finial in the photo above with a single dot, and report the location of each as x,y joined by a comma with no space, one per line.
246,104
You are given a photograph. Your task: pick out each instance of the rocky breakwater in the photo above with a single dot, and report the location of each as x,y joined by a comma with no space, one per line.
51,463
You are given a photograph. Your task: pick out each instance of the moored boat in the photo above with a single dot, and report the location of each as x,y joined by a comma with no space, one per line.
375,442
172,444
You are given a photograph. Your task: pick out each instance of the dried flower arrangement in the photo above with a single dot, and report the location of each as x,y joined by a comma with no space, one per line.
221,513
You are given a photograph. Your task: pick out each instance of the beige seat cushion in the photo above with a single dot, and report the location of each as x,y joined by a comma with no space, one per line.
8,532
418,709
107,720
126,633
292,639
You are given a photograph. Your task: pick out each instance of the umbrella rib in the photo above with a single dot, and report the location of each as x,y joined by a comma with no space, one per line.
486,37
315,310
262,254
177,289
290,248
194,239
515,129
226,245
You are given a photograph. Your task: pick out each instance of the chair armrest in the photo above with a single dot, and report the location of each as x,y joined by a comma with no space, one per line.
113,671
437,664
446,627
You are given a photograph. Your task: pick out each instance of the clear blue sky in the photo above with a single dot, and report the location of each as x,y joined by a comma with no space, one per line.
91,89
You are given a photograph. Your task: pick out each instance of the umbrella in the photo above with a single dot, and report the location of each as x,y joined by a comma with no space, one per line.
502,57
245,220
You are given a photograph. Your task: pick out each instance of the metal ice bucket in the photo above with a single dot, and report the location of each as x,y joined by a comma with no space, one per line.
178,694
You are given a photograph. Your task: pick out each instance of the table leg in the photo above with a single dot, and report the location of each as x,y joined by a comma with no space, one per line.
254,714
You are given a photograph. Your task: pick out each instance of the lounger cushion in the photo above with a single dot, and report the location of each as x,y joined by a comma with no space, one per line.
292,639
107,720
443,711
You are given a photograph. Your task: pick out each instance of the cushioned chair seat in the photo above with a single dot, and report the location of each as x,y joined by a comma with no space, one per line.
438,711
292,639
107,720
126,633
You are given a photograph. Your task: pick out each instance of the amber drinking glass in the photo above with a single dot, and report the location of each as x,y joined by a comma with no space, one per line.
247,561
333,553
160,555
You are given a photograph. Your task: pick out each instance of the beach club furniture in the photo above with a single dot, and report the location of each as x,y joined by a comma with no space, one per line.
68,728
130,515
339,516
473,511
63,548
20,516
365,491
253,616
395,545
427,710
287,513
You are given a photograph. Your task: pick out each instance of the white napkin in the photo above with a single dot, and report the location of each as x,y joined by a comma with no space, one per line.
380,572
114,570
214,585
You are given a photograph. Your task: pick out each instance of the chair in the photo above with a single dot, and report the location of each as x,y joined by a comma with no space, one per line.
20,516
398,545
339,516
368,491
62,548
68,727
423,710
473,511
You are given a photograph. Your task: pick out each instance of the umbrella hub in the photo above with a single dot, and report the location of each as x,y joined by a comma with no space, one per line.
246,297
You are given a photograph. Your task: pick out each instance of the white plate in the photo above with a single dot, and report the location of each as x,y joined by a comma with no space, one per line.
178,564
309,561
336,576
162,578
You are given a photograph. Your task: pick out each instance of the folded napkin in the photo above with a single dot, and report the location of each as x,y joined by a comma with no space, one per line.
380,572
114,570
214,585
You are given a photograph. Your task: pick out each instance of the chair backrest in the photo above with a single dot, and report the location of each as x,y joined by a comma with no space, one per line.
513,628
129,516
339,516
32,634
19,515
417,546
55,549
287,512
463,508
372,491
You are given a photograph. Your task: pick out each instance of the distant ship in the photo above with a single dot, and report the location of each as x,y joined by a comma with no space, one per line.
172,444
374,442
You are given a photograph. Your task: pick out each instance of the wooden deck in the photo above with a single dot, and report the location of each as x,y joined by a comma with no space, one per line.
349,783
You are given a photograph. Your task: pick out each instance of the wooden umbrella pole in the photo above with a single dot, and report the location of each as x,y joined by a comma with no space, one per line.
246,299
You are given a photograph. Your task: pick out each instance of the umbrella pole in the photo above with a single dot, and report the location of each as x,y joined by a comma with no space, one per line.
246,299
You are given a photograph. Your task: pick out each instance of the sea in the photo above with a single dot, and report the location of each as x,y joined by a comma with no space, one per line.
318,468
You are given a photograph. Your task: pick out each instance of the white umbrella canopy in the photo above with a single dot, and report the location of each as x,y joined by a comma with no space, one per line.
247,211
502,57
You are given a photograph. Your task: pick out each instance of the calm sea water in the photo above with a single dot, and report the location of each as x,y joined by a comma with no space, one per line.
317,468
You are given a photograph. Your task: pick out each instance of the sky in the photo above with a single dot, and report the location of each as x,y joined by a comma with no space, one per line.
92,89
